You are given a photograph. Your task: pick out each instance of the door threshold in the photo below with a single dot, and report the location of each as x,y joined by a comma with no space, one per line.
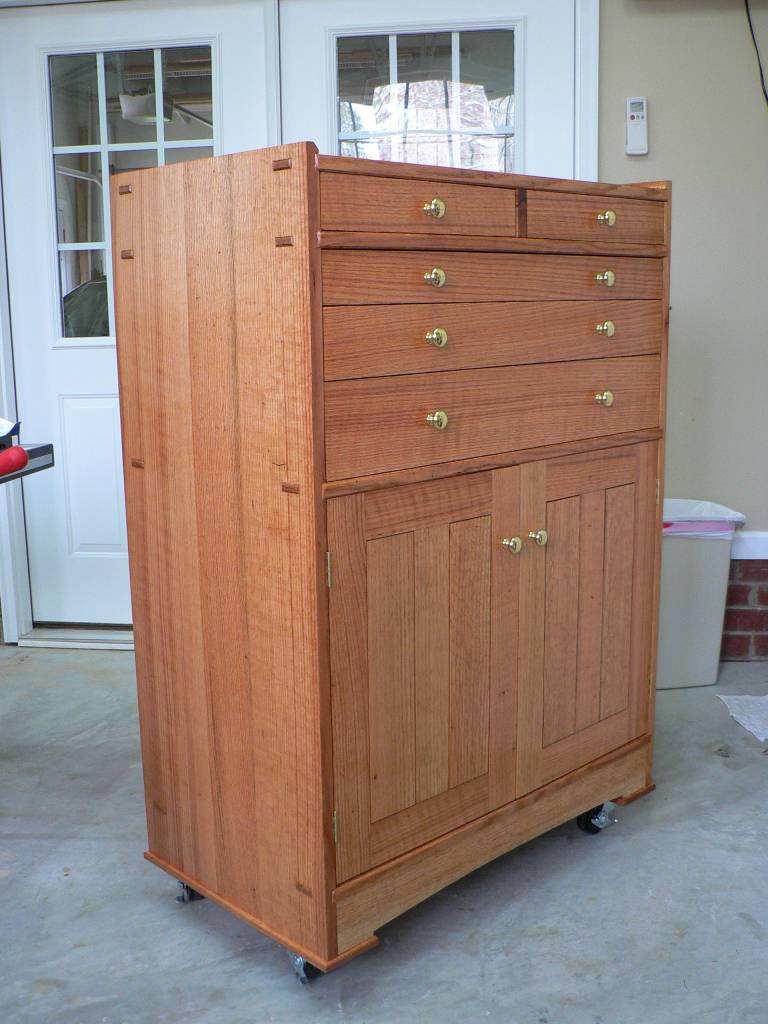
85,638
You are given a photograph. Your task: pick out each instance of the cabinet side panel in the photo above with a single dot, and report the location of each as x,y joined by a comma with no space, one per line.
223,528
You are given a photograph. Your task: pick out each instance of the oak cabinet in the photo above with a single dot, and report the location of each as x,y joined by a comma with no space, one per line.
392,440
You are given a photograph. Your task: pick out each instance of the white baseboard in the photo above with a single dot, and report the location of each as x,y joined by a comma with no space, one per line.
750,544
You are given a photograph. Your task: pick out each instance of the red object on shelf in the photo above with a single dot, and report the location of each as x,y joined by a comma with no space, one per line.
12,460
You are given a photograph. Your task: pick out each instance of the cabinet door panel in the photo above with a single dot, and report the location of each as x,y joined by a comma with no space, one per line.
585,609
423,661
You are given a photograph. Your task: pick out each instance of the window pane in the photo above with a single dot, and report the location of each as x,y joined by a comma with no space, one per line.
488,79
132,160
178,156
427,116
74,99
363,82
425,93
188,92
84,288
130,79
79,198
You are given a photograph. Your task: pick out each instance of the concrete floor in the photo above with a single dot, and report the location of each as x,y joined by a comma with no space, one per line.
662,919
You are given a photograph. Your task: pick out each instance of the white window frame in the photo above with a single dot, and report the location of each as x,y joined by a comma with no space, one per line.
104,148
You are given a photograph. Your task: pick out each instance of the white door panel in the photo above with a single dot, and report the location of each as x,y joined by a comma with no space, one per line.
544,71
67,385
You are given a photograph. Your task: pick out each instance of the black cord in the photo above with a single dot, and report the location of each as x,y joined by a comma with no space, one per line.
757,50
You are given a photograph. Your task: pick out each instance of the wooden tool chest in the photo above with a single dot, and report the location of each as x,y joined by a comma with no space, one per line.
392,443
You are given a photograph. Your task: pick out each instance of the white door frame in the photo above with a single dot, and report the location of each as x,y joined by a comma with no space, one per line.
15,592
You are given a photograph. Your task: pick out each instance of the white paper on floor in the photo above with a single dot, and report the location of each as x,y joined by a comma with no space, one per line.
751,712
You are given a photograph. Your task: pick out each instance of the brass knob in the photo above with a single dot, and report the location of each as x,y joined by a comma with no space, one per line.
608,218
604,398
438,419
435,277
436,208
607,327
539,537
438,337
513,544
608,278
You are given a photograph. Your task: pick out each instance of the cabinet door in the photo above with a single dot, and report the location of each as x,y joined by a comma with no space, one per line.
423,661
585,608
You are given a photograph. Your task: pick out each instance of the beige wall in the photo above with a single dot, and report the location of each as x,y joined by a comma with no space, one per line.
708,133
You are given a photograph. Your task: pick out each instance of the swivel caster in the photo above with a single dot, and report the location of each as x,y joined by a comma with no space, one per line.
187,894
305,971
595,821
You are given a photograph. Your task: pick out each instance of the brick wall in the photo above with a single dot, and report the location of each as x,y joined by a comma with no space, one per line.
745,633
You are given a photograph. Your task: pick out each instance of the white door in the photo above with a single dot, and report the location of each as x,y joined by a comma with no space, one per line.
492,85
81,88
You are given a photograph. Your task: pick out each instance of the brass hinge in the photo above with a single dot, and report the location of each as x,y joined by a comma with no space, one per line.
658,489
328,569
335,827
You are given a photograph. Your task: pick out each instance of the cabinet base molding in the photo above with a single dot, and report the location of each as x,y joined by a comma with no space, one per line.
324,964
630,798
370,900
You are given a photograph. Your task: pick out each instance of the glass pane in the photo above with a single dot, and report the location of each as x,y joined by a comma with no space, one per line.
427,116
425,95
178,156
74,99
84,287
131,112
79,198
132,160
188,92
363,63
487,62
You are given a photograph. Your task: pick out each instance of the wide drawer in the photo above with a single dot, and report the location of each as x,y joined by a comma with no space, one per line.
365,277
374,341
380,424
594,218
360,202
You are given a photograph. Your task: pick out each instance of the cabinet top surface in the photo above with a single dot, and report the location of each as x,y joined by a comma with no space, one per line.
655,191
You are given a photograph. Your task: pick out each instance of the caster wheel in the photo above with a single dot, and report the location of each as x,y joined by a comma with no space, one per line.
593,821
187,894
305,971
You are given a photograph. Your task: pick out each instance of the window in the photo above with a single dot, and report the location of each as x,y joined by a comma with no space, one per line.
113,111
445,98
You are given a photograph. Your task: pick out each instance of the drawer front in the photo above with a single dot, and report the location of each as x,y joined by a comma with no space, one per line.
380,424
594,218
377,341
359,202
369,278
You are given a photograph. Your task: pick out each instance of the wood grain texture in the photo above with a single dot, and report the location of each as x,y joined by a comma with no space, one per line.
366,903
362,203
228,618
592,588
377,341
470,682
391,724
483,243
371,278
657,191
463,467
379,424
554,215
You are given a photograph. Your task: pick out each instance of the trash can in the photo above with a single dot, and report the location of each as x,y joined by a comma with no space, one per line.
695,565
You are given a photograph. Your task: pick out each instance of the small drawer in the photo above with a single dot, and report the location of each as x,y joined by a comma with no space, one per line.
365,277
360,202
594,218
382,424
377,341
